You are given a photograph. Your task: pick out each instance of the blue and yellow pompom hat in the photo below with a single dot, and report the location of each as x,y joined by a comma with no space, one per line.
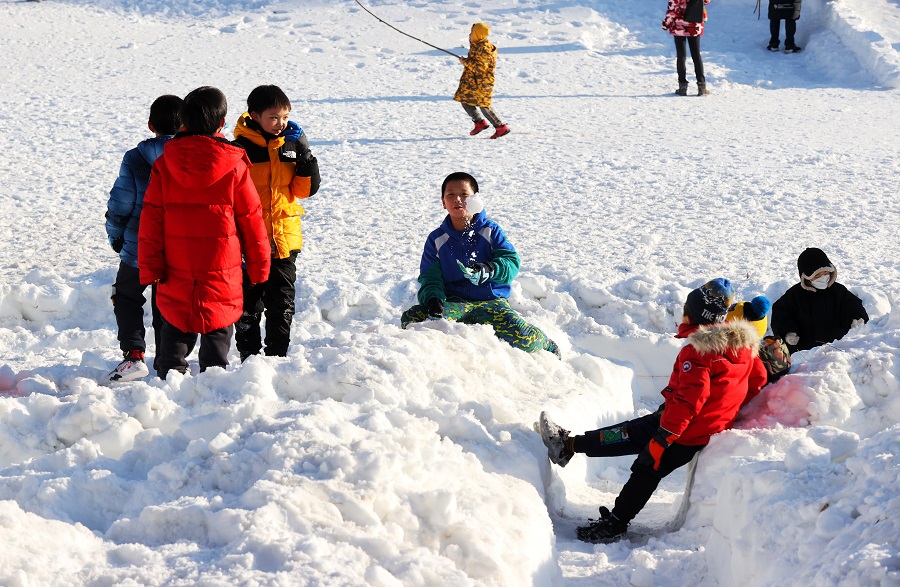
755,312
709,303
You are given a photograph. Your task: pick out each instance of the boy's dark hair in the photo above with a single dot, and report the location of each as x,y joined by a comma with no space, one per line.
459,176
165,114
203,110
264,97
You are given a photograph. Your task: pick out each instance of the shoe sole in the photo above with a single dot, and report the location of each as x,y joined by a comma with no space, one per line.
547,430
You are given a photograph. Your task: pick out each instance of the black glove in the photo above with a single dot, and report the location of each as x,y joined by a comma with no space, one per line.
435,308
117,244
652,454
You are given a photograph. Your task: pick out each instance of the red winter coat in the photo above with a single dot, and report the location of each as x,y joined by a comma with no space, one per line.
714,375
201,213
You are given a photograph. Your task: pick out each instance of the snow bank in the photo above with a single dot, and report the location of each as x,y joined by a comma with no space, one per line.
344,454
860,31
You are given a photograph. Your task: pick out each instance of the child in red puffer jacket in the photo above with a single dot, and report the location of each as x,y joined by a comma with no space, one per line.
201,216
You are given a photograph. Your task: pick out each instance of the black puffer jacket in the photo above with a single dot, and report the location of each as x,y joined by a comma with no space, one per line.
784,9
817,316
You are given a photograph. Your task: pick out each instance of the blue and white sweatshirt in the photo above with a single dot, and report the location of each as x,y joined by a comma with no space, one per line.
483,242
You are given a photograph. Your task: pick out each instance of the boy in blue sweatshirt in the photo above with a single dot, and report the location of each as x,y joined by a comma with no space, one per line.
123,213
466,270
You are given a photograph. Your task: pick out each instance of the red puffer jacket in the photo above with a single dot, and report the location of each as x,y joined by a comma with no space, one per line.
714,375
201,213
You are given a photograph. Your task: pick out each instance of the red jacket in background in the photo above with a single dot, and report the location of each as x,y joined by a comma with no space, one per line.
201,214
714,375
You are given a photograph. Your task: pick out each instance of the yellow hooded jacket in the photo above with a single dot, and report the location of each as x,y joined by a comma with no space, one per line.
476,85
273,174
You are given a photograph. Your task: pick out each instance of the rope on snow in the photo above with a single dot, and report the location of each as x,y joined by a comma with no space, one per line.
407,34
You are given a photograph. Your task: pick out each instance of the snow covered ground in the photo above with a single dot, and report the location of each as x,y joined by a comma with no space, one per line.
379,456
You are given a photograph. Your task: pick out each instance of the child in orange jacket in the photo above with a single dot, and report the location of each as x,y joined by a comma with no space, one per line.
284,172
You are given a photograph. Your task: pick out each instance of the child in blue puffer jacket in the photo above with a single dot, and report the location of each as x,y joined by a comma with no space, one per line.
126,200
466,271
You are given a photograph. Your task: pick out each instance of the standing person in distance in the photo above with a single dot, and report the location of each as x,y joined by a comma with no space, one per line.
685,21
284,172
817,310
789,12
201,218
476,85
123,214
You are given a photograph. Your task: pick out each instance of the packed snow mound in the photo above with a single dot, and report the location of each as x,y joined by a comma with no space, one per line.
373,455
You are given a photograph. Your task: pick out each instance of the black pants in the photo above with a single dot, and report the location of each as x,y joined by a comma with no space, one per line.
175,345
680,56
630,438
489,113
128,306
790,29
276,297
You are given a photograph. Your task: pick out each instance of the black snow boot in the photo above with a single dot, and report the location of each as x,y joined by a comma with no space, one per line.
682,89
701,89
603,531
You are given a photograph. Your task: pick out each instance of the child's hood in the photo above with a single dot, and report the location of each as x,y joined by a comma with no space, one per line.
151,149
198,161
728,339
248,129
480,31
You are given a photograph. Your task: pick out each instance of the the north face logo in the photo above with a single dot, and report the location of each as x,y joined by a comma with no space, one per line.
289,154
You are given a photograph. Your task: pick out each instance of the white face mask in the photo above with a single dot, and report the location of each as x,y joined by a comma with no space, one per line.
821,282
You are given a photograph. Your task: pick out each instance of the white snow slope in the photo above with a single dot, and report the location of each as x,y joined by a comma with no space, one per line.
378,456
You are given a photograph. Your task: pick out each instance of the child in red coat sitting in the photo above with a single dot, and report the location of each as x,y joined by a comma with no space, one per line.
201,215
714,375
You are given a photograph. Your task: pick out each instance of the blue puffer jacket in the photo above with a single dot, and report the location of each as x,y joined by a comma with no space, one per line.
126,198
484,242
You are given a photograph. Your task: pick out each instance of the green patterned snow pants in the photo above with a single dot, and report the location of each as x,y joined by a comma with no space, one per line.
508,325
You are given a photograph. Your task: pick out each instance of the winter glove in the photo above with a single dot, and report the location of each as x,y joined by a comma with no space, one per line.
117,244
791,338
292,132
477,273
857,323
652,454
435,308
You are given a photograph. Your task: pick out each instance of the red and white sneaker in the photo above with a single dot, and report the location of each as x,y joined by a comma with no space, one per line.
479,126
500,131
133,367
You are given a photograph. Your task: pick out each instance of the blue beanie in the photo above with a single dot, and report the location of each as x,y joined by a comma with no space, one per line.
757,308
709,303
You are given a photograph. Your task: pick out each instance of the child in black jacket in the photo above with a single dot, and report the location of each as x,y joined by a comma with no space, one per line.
817,310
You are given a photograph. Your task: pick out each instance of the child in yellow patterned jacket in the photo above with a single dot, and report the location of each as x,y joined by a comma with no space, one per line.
476,85
284,171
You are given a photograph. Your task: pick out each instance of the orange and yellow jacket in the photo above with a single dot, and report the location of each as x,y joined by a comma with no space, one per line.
284,172
476,85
